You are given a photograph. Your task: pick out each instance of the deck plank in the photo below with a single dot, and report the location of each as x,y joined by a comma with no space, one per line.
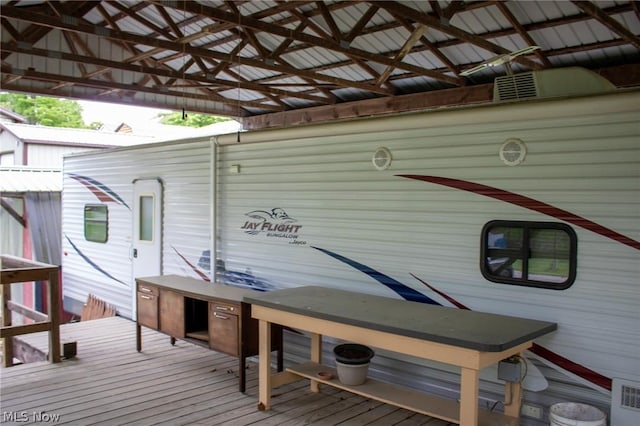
109,382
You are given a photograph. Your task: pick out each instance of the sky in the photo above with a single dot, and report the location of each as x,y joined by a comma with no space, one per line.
115,114
144,121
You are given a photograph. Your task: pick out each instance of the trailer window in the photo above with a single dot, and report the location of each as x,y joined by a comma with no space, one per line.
146,218
536,254
96,223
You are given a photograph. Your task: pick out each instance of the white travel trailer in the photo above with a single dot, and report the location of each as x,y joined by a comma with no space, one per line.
527,208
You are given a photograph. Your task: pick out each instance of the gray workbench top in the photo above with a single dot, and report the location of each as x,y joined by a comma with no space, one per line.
198,288
469,329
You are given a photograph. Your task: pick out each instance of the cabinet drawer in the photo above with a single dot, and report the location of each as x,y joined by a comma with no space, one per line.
223,330
147,289
147,310
224,307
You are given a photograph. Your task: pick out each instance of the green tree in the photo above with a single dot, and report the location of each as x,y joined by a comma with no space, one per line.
44,111
177,118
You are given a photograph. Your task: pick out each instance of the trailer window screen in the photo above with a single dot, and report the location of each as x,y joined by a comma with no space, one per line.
96,223
146,218
536,254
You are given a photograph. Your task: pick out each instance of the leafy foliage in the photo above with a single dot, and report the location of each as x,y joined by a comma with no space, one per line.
191,120
44,111
57,112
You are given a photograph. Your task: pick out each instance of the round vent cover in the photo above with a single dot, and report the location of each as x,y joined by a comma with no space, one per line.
512,152
381,158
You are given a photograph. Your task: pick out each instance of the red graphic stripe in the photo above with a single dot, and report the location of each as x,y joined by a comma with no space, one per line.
567,364
531,204
557,359
194,267
99,193
450,299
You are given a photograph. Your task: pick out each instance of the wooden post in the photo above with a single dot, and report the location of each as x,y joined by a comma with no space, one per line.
7,342
513,396
469,397
264,365
54,316
316,356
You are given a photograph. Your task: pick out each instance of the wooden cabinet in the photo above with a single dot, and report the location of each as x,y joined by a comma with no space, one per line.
207,314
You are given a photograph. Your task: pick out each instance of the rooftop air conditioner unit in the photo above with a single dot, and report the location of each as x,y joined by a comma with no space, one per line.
571,81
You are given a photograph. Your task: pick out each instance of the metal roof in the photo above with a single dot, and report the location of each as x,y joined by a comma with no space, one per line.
66,136
28,179
250,58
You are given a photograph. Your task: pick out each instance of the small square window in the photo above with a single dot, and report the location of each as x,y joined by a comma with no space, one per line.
536,254
96,223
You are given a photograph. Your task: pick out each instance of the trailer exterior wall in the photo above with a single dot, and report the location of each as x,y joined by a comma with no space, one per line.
184,171
580,158
305,206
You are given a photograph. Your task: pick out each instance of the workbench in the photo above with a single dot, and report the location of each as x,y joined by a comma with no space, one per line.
466,339
207,314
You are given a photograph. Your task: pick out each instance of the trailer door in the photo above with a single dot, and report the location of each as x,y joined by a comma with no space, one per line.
147,229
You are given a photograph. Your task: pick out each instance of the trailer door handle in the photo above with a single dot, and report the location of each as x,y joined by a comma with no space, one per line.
135,253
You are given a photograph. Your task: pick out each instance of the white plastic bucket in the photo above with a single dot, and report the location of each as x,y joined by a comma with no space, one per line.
575,414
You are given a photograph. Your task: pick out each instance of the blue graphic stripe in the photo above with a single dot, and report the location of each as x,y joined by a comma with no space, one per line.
92,263
404,291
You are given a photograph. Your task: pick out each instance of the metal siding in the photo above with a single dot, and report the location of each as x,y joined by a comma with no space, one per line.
586,163
322,176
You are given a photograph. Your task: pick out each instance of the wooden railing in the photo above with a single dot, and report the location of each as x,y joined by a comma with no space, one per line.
18,270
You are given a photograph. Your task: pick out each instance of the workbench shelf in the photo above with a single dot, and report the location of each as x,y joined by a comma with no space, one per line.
403,397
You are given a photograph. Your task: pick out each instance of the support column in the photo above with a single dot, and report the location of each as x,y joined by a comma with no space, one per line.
469,382
264,365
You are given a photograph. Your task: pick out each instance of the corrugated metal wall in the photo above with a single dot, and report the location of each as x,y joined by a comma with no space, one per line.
42,155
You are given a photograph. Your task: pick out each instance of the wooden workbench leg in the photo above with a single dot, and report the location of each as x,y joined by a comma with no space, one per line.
242,373
264,365
469,382
513,398
316,356
138,337
54,316
7,343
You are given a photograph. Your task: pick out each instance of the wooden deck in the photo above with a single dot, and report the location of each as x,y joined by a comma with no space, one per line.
109,383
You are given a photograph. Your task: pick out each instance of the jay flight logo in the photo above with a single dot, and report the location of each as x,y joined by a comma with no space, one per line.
275,223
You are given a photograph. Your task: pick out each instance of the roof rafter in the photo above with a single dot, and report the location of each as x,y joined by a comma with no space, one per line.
255,24
126,37
276,57
435,23
204,80
606,20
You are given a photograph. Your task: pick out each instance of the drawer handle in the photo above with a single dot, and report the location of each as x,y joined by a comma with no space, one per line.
144,296
224,308
223,317
146,289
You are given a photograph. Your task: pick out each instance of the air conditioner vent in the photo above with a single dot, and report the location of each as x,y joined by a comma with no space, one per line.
571,81
630,397
518,86
625,402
